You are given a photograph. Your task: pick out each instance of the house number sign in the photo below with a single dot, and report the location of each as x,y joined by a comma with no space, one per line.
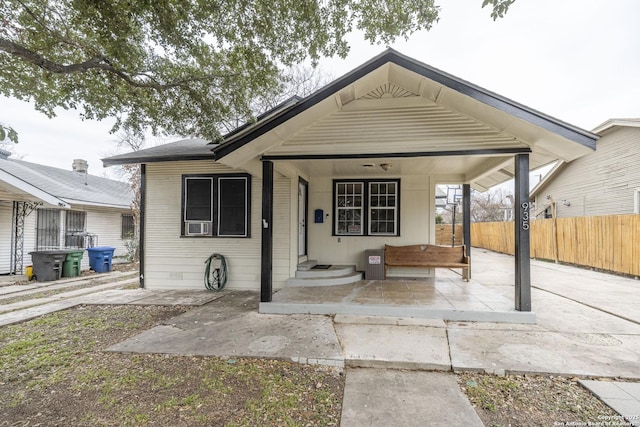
525,216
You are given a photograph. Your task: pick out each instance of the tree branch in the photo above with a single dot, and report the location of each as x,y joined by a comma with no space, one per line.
94,63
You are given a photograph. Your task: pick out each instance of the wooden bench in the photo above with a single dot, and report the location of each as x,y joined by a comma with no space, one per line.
428,256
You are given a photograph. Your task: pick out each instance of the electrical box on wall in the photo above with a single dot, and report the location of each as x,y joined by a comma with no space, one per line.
318,216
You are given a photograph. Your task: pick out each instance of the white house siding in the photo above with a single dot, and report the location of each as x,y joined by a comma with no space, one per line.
416,207
175,262
600,183
6,212
107,225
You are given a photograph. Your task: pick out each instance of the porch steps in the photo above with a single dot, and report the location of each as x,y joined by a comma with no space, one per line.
307,265
334,275
333,271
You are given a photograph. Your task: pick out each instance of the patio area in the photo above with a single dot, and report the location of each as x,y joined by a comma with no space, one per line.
445,297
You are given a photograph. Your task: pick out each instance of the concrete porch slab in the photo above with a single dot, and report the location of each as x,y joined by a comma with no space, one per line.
448,299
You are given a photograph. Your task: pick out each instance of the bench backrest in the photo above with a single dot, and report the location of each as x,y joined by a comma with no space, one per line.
418,253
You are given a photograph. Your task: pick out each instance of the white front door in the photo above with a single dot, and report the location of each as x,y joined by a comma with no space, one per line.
302,218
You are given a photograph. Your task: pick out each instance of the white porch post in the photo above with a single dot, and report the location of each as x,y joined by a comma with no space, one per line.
522,240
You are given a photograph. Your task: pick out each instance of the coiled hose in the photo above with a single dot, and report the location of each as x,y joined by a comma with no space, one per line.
216,279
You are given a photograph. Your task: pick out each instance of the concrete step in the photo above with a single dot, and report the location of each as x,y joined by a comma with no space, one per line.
326,281
307,265
333,271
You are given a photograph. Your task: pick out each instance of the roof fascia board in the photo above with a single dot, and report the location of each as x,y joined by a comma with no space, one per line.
487,152
611,123
154,159
482,95
97,204
32,190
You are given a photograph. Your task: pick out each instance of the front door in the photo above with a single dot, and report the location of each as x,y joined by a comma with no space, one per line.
302,217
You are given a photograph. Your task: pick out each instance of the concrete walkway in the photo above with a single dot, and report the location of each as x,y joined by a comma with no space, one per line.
588,325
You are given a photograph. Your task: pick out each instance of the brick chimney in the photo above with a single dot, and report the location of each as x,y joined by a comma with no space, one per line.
81,166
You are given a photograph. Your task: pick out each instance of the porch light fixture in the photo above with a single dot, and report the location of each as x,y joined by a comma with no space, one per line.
385,166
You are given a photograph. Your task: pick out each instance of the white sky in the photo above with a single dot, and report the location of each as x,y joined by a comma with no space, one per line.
576,60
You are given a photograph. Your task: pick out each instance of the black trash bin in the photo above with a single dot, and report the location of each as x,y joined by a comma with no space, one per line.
47,265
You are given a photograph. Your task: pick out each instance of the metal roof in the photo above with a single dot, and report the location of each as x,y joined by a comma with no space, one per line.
59,187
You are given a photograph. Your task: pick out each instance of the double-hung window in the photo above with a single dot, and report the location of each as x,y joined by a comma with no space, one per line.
216,205
366,207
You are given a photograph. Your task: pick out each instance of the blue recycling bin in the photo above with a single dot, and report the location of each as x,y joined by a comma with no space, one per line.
100,258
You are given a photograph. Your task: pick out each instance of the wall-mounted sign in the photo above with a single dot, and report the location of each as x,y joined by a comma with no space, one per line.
375,259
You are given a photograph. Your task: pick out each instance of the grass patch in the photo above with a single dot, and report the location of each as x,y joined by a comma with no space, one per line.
55,371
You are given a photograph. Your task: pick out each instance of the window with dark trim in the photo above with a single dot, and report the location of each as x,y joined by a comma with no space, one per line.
216,205
366,207
128,228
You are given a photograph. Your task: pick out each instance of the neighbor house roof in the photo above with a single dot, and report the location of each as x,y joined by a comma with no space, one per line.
20,180
600,130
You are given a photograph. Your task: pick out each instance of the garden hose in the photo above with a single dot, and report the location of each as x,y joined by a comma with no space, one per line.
216,279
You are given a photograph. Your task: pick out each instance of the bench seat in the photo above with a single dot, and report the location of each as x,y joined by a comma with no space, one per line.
427,256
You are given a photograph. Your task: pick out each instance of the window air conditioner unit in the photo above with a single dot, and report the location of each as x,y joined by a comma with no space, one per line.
197,228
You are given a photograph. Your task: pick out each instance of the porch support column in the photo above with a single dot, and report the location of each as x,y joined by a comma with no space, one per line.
522,240
266,265
142,221
466,219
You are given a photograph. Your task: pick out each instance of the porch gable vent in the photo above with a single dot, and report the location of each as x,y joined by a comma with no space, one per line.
389,90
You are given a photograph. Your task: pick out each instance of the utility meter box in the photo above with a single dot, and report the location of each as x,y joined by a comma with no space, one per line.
374,264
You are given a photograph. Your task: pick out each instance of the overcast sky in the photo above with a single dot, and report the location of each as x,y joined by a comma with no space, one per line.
576,60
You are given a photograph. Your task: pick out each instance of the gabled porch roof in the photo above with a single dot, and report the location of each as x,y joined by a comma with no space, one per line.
396,108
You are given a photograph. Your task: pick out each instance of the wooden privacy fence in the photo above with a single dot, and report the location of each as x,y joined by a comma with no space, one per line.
443,234
609,243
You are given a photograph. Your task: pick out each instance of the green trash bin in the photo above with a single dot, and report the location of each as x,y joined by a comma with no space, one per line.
71,264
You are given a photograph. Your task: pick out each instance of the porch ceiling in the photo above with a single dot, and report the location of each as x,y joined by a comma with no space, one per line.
401,106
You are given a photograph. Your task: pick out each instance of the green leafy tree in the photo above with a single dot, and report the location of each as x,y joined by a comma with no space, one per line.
176,66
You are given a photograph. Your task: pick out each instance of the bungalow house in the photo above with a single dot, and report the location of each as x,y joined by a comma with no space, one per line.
43,207
351,167
605,182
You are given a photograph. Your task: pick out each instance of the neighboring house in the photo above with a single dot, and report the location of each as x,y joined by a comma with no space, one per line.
605,182
353,166
43,208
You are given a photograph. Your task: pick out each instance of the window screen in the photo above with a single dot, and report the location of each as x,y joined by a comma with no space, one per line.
232,206
198,199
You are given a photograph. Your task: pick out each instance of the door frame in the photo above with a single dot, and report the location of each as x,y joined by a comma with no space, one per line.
303,183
